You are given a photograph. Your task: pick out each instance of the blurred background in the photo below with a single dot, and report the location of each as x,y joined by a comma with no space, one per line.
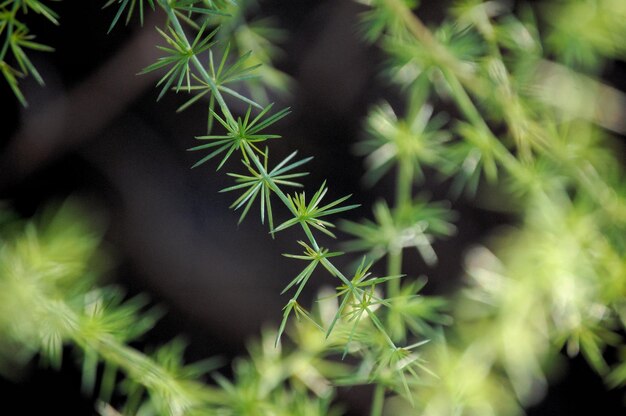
96,132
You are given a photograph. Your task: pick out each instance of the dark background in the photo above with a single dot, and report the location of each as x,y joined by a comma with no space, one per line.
96,132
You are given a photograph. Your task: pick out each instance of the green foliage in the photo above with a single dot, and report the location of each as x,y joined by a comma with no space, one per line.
260,37
310,214
49,299
543,289
256,184
583,34
314,257
554,280
391,232
178,58
252,44
399,142
245,134
17,40
127,6
236,73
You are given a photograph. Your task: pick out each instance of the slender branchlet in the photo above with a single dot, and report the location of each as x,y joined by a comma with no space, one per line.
553,281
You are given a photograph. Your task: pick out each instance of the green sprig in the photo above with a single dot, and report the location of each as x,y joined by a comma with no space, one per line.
180,54
259,183
311,213
244,133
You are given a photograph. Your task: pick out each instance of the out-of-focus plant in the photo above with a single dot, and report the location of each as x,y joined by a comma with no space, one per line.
517,141
533,122
50,298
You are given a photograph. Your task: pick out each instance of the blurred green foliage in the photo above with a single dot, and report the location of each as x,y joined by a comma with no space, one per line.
531,132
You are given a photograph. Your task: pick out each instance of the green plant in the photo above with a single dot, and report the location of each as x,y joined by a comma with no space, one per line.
17,40
555,279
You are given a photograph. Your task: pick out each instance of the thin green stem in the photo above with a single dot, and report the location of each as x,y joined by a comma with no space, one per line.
404,183
378,400
394,268
404,196
310,236
380,327
331,267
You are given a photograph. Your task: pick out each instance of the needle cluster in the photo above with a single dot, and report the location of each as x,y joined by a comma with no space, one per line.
509,78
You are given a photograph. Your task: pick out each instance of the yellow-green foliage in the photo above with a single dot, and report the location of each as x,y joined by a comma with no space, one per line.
530,133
